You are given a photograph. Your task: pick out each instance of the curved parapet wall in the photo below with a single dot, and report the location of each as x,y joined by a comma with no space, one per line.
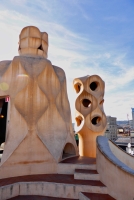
90,117
117,176
123,156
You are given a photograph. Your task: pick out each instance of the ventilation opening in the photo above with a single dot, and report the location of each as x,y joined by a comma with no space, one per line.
40,47
68,151
96,120
86,103
77,87
3,122
78,120
102,102
93,86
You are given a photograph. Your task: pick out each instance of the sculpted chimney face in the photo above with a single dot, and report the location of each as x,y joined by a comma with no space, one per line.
33,42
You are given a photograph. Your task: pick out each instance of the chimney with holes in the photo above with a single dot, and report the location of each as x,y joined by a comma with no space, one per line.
90,118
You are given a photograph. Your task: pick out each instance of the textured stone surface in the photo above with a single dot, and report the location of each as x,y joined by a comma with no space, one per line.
90,117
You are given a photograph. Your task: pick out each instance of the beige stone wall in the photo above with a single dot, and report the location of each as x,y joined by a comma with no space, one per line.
90,117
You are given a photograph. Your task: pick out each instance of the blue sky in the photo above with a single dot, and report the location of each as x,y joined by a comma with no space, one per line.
86,37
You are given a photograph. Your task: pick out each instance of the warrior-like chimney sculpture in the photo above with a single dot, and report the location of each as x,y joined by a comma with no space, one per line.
39,133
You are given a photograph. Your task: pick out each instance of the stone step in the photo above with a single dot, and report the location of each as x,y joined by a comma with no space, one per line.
52,185
85,174
69,165
37,197
66,168
94,196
